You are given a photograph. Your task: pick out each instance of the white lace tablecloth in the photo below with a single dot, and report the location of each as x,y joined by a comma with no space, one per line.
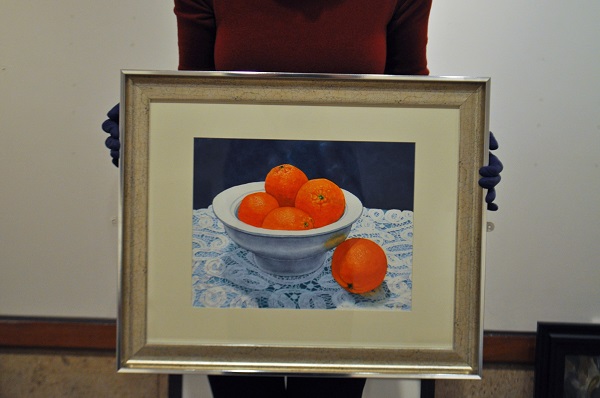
224,275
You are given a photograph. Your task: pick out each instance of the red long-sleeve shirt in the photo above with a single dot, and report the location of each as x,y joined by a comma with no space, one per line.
304,36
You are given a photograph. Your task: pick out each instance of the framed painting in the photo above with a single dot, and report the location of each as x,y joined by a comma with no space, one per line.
567,360
372,261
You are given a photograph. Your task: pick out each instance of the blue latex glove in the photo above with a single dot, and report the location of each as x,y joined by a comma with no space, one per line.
111,126
490,175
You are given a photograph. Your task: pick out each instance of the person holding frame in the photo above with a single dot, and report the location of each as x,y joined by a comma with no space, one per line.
307,36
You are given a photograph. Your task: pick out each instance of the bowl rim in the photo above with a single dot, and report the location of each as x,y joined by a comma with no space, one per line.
225,206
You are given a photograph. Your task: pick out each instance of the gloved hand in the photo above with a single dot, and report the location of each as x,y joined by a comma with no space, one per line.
111,126
490,175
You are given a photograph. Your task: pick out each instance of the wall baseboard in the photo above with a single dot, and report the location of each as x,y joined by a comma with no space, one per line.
101,334
58,333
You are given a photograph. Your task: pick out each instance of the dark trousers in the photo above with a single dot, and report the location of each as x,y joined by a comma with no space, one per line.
275,387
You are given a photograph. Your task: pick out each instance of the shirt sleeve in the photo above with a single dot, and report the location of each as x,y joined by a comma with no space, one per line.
407,38
195,34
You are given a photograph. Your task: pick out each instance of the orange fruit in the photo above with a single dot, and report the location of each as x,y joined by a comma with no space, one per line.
359,265
255,206
283,182
287,218
322,199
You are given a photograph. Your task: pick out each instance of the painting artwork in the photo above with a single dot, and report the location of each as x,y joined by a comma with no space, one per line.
567,361
302,224
582,376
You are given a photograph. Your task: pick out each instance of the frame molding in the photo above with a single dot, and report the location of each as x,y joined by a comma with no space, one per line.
145,345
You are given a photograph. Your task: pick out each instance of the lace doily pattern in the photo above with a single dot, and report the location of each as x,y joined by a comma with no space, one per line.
225,276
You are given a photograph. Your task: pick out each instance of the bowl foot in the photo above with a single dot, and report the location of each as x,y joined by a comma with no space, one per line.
301,266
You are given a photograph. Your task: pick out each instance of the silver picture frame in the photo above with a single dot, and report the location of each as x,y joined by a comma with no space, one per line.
158,328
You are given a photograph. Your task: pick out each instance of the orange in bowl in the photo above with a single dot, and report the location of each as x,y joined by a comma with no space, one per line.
322,199
255,207
288,218
283,182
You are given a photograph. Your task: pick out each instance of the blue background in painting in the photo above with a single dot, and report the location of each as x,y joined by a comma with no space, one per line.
380,174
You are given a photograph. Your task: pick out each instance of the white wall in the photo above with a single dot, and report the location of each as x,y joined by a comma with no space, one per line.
543,257
59,75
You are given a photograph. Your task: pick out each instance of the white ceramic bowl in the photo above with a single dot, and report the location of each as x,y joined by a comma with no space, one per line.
283,252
